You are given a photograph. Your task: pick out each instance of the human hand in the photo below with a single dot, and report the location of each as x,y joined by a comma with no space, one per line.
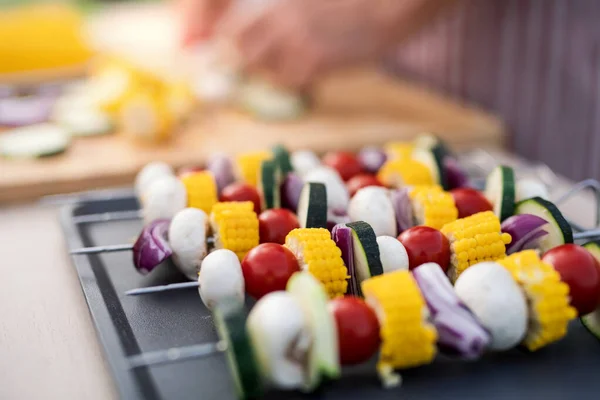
294,41
199,18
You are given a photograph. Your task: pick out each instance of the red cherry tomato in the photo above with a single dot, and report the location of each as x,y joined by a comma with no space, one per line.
241,192
357,328
470,201
275,224
424,244
267,268
360,181
579,269
346,164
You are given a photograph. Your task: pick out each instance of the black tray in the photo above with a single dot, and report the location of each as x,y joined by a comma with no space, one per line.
129,325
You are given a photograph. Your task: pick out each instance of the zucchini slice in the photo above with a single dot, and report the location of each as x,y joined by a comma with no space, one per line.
230,321
592,321
500,191
559,230
268,185
324,353
312,207
367,261
34,141
594,248
282,158
434,160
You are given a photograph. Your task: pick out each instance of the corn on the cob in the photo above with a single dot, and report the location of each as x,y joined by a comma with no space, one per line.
318,254
145,116
407,338
398,150
432,206
547,295
201,190
235,227
402,172
474,239
248,165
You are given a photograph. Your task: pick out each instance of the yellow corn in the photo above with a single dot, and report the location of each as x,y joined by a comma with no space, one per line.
474,239
432,206
399,150
317,253
249,165
201,190
235,227
407,339
145,116
401,172
547,295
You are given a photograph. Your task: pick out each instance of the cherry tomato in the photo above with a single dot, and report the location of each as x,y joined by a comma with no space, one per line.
267,268
189,170
470,201
579,269
275,224
360,181
241,192
357,327
424,244
346,164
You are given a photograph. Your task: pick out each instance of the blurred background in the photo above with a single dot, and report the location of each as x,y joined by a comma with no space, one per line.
91,90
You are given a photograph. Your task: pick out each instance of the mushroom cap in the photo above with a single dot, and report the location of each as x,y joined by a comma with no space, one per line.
392,254
150,173
220,277
163,198
373,205
337,193
187,238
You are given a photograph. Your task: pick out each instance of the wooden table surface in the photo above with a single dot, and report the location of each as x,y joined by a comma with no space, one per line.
48,345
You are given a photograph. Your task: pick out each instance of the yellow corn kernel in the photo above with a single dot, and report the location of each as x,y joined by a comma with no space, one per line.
471,236
235,227
398,150
144,116
547,298
433,207
407,339
201,190
405,172
248,165
317,253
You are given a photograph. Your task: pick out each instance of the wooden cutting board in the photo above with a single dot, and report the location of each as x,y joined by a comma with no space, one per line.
354,109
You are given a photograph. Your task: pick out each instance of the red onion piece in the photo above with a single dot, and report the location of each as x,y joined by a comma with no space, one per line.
342,236
290,191
152,248
524,229
29,110
402,209
222,169
371,159
459,332
456,177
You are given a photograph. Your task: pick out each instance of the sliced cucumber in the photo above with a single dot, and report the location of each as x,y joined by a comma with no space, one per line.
282,157
268,185
594,248
559,230
312,207
592,322
324,353
429,141
434,160
230,321
34,141
84,122
500,191
367,260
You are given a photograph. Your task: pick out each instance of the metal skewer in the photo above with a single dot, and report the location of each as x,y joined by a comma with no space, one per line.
113,248
162,288
176,354
108,216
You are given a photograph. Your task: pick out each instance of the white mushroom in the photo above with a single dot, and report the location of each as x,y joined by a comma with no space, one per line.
372,204
187,238
163,198
337,193
491,293
149,174
528,188
220,277
280,334
392,254
304,161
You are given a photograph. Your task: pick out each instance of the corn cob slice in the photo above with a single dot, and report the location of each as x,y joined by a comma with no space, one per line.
407,338
433,207
248,165
145,116
235,227
398,150
201,190
402,172
547,298
474,239
317,253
